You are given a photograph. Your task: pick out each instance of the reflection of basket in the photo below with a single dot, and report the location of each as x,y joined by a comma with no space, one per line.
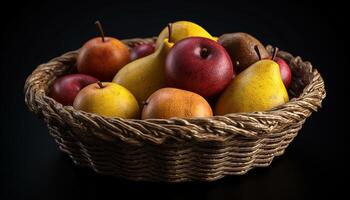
174,150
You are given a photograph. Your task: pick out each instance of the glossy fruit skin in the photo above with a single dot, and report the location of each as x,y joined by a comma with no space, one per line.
182,30
186,67
102,59
141,51
112,100
240,47
144,76
286,73
65,89
166,103
258,88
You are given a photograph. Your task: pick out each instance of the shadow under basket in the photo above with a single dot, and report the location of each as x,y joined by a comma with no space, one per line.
174,150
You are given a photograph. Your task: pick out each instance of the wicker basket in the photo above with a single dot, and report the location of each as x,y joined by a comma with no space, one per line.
174,150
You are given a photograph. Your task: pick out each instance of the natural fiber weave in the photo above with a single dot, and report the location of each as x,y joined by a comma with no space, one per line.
174,150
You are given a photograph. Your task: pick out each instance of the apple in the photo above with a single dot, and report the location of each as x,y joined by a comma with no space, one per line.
107,99
286,73
65,89
199,65
102,57
141,50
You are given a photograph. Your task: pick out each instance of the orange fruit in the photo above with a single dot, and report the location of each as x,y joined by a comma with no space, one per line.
171,102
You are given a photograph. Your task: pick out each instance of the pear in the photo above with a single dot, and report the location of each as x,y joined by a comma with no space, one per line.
258,88
181,30
241,48
145,75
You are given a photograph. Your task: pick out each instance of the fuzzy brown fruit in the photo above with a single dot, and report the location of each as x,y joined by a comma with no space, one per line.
240,47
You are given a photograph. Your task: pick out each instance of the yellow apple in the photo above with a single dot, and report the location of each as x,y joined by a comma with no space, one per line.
107,99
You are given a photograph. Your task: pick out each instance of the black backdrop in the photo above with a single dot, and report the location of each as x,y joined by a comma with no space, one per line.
32,166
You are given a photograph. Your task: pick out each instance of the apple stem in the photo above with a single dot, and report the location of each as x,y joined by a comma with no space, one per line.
100,84
204,53
99,26
274,54
169,30
256,48
144,103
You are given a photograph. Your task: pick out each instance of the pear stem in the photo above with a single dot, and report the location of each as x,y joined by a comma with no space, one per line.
99,26
274,54
100,84
169,30
256,48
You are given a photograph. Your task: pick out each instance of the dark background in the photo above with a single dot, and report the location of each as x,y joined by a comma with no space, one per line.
31,165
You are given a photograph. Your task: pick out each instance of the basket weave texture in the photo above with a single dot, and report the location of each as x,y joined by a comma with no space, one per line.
174,150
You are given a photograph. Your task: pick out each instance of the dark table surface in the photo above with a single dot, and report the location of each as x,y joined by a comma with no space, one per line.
33,167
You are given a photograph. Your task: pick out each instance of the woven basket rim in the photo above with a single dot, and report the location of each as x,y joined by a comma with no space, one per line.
216,128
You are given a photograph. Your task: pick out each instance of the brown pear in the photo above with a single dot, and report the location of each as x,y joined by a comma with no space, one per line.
241,48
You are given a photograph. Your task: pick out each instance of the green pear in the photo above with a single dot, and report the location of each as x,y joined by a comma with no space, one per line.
257,88
145,75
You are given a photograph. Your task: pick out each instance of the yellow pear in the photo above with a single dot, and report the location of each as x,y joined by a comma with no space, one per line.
145,75
107,99
257,88
181,30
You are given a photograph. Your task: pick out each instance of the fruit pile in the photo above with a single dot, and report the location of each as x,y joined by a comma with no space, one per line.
186,73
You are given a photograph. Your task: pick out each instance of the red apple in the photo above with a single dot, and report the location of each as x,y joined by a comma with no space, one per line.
141,51
199,65
286,74
102,57
65,88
